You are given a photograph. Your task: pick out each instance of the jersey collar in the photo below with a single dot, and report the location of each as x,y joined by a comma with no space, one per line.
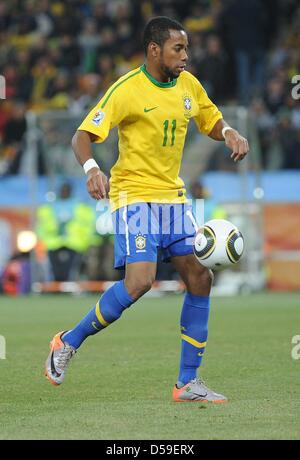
160,84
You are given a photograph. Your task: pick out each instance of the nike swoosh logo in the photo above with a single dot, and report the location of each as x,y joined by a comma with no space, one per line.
201,396
54,371
95,327
149,110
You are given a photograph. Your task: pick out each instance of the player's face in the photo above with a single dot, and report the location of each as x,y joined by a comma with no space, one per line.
173,56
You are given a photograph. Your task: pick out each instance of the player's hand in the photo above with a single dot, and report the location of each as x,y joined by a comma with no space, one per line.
97,184
237,143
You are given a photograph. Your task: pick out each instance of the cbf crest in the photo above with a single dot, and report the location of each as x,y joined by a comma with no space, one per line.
187,105
140,242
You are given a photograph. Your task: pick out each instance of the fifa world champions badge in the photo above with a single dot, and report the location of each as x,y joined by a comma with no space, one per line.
98,117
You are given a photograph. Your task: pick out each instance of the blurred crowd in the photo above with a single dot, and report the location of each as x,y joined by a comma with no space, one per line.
63,54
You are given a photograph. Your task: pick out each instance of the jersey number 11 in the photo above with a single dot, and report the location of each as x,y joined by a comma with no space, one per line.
166,128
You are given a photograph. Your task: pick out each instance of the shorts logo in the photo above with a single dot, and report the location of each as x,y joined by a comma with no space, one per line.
98,117
140,242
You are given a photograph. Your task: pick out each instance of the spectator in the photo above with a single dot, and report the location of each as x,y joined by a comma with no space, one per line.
274,95
89,41
13,138
266,129
49,49
43,73
69,53
289,139
212,69
5,16
57,92
16,277
25,80
108,43
44,18
101,16
67,228
246,24
106,69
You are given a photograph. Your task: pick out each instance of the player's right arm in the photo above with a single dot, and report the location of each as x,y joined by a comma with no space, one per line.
111,110
97,183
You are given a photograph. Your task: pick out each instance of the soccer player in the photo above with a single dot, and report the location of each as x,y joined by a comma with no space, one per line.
152,106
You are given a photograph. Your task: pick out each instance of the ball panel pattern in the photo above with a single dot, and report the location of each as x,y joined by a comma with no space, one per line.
210,245
230,247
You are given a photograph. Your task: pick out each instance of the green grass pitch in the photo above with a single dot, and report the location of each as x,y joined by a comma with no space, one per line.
120,382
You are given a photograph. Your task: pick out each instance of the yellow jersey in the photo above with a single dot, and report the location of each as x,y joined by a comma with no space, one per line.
152,119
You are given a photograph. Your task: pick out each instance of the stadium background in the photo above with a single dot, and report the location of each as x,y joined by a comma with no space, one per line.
58,58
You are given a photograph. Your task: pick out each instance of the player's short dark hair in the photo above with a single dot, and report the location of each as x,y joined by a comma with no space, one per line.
158,30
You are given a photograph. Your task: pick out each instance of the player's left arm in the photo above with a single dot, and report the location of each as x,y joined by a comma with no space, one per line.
237,143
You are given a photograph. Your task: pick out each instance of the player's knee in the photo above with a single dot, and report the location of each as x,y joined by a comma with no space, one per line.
205,277
200,280
144,286
139,286
210,277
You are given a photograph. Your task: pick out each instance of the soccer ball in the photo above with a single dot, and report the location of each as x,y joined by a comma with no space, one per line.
218,244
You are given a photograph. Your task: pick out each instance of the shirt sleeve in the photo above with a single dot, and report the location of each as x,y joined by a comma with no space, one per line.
110,111
208,114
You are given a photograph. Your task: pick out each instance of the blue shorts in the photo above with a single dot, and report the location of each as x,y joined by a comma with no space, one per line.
141,228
